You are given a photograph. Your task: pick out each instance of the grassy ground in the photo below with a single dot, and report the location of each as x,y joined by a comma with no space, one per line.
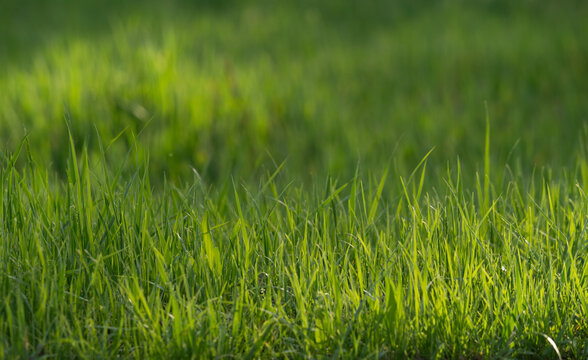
252,179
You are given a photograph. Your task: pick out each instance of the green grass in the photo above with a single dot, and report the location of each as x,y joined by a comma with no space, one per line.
296,180
222,86
96,266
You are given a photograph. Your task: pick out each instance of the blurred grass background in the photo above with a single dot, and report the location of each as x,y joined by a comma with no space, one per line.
233,87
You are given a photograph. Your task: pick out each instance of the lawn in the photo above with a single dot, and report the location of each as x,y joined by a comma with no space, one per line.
300,179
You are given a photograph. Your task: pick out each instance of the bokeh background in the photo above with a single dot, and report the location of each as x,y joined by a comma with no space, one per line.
232,88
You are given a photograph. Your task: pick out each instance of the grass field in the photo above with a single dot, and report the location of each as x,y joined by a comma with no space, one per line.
257,179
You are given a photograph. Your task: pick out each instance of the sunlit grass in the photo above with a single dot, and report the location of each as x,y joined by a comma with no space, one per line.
100,267
293,180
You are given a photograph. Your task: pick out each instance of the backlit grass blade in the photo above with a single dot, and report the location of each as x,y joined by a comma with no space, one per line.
376,199
209,250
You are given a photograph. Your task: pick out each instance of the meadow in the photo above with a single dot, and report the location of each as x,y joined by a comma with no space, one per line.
309,179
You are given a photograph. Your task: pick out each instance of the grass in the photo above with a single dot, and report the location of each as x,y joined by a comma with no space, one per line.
97,266
222,86
207,180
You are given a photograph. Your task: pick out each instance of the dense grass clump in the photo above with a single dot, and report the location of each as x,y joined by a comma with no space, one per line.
303,179
376,267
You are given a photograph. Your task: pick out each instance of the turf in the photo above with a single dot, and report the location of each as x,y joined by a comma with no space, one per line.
293,180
